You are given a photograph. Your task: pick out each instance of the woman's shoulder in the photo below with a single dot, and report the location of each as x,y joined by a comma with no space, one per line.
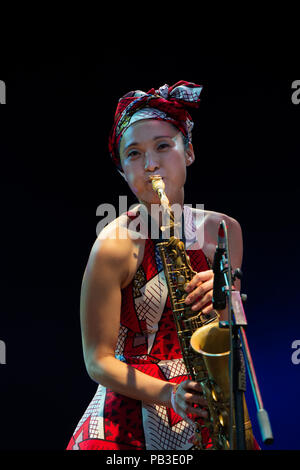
207,225
121,227
213,218
212,221
118,244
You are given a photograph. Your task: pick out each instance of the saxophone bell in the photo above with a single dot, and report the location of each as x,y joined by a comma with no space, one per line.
211,340
213,343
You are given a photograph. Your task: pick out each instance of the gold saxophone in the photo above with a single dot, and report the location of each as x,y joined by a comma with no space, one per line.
204,345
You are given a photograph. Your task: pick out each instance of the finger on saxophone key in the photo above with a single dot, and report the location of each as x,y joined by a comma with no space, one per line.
195,386
202,413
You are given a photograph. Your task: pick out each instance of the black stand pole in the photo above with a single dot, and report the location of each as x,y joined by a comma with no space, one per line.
239,353
236,371
239,388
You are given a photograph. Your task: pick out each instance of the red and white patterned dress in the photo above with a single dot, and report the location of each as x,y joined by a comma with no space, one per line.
148,342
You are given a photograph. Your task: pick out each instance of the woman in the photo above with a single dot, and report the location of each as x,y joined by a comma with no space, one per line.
144,398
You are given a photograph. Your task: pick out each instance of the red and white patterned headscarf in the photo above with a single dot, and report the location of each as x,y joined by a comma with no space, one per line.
166,104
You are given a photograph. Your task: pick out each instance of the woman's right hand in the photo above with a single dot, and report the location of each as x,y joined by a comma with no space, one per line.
184,395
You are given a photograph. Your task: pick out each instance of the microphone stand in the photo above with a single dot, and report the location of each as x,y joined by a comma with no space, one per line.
237,323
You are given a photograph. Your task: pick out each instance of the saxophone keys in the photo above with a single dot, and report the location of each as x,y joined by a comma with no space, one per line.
179,262
223,419
181,247
181,281
216,393
222,443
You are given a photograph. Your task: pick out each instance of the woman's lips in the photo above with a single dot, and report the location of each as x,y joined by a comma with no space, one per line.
149,180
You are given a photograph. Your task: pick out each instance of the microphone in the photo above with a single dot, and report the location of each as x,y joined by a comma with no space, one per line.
219,294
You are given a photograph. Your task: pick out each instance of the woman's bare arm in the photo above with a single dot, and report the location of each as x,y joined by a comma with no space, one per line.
200,288
106,272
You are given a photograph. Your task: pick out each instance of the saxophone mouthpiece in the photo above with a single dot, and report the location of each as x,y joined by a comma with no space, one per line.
157,182
158,186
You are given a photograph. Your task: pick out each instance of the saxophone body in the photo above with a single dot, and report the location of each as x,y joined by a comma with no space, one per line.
204,345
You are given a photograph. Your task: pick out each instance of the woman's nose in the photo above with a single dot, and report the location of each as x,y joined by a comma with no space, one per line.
151,161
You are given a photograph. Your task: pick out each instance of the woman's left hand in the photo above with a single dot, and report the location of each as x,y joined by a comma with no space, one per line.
200,291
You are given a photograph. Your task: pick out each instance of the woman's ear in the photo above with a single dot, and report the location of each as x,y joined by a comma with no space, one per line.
189,154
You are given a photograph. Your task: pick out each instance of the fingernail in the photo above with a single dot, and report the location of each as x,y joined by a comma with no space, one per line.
188,300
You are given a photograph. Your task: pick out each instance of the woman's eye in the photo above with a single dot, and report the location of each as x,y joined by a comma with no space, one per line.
133,153
163,145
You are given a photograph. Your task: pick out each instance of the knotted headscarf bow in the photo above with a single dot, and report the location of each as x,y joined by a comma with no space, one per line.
166,104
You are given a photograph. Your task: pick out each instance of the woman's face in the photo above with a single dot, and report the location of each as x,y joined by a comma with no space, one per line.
152,147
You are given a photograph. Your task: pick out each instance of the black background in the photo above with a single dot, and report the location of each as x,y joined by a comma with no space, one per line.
56,171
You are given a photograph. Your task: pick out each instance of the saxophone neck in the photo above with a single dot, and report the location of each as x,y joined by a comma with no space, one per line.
158,186
163,199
